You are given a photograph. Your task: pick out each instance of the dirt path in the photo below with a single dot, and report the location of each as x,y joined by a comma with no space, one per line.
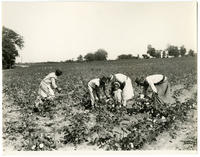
184,135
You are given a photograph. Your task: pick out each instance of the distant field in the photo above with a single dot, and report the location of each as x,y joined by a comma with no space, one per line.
67,124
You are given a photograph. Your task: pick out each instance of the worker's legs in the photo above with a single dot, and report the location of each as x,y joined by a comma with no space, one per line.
92,98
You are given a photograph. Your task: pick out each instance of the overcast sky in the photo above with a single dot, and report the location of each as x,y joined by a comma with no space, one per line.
57,31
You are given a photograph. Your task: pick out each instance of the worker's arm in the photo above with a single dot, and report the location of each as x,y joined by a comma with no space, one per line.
53,83
151,84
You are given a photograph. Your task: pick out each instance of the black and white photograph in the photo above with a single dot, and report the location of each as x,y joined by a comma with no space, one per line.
99,76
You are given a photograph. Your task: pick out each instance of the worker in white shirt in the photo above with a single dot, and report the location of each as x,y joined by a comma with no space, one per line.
116,93
158,83
95,86
47,86
123,83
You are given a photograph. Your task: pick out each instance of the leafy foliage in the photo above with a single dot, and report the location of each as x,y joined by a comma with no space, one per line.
182,50
145,56
99,55
129,56
191,53
10,41
151,51
173,51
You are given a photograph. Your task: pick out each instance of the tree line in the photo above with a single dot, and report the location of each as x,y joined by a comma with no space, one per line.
13,42
98,55
170,51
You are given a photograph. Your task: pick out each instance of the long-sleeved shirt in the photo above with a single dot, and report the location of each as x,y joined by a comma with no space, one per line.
50,79
152,80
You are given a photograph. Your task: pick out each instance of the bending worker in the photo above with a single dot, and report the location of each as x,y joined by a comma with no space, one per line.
95,86
158,83
47,86
125,84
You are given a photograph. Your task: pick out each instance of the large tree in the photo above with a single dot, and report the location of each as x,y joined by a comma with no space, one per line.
173,51
151,51
182,50
89,57
191,53
100,54
11,42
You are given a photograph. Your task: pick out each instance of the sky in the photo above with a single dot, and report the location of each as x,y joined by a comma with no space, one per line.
58,31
